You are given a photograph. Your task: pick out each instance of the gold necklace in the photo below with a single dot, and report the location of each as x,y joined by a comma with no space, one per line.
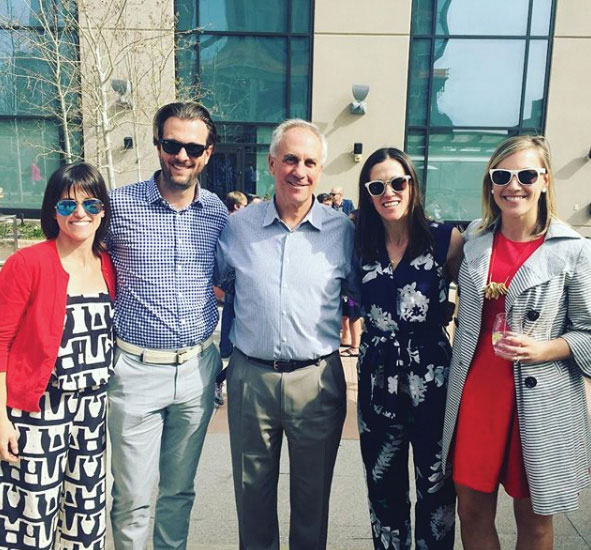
494,290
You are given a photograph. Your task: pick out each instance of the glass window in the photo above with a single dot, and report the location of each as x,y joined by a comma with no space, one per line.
238,15
474,105
29,158
454,172
422,17
468,92
533,108
300,63
300,16
500,17
418,92
30,134
246,77
541,17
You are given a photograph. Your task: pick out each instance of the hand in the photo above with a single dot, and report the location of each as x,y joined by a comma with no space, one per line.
8,441
522,348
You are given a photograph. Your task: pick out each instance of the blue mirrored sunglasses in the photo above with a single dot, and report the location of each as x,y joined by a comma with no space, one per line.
66,207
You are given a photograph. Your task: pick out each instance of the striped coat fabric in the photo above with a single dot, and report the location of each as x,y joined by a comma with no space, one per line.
549,297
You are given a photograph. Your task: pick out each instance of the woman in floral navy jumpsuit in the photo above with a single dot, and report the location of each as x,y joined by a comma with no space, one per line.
405,266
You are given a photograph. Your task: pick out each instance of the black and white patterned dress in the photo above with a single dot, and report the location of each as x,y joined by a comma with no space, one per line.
55,495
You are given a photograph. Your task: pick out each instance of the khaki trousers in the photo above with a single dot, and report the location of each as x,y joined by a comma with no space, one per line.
307,405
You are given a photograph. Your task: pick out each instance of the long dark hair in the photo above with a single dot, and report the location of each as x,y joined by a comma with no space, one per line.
86,178
370,235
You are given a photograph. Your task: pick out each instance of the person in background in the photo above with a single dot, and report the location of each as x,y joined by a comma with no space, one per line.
405,266
253,199
235,200
292,260
324,198
516,410
339,203
162,239
56,356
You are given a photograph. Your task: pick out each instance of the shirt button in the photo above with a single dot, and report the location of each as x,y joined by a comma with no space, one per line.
183,321
284,339
180,241
531,382
180,294
283,313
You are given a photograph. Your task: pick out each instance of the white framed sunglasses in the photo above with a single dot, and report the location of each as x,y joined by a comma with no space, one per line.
525,176
377,188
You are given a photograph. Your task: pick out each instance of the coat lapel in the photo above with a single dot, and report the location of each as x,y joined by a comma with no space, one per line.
477,253
544,264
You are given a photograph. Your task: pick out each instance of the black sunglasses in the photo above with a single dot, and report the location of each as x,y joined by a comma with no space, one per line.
377,188
173,147
526,176
66,207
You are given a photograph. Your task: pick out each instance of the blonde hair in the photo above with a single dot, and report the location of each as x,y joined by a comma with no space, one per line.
547,202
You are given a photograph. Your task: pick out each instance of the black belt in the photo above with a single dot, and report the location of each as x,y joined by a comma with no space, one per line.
288,366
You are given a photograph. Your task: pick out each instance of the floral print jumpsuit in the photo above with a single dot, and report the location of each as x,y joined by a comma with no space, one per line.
403,366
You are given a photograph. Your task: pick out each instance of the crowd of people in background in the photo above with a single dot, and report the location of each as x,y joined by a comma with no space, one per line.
116,310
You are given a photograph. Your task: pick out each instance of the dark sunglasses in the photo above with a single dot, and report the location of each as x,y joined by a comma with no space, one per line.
173,147
377,188
66,207
525,176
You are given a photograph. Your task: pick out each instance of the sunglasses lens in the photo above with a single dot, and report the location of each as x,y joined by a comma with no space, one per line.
194,150
173,147
500,177
527,177
398,184
92,206
65,207
376,188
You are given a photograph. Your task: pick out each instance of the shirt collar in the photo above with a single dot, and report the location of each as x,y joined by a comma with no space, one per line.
153,193
314,217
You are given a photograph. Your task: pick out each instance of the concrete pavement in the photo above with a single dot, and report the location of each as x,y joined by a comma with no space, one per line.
214,524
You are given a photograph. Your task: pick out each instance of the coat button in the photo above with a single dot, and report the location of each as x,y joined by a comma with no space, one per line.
531,382
533,315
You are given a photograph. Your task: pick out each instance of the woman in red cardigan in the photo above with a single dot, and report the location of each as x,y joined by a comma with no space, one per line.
55,360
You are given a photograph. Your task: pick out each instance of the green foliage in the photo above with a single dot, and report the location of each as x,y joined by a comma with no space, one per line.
29,230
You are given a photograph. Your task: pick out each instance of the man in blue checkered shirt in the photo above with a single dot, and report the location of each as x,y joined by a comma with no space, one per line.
162,240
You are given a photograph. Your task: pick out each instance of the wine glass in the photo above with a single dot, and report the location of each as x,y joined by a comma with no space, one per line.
501,329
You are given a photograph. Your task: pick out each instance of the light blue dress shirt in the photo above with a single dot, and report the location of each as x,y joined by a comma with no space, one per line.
288,281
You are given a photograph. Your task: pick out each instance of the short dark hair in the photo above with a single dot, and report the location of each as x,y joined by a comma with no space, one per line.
83,177
323,197
370,235
185,111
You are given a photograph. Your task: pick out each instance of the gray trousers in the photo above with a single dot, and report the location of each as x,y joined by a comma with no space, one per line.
158,417
308,406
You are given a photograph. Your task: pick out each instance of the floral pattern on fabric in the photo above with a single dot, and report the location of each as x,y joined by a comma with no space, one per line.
403,367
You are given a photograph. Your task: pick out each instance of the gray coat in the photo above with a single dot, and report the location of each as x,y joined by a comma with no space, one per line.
549,296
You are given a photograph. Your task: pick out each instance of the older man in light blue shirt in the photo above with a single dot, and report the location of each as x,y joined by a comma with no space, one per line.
292,259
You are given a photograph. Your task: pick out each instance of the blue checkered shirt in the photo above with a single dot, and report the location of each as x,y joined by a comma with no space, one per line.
164,260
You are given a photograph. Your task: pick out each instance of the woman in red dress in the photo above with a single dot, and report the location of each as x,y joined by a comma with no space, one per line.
516,412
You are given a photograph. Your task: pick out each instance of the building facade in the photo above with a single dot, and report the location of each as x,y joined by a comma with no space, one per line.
448,80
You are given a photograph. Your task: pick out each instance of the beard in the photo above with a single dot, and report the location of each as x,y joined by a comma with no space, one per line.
181,183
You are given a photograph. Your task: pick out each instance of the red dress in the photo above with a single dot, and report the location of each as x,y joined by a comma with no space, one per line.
487,448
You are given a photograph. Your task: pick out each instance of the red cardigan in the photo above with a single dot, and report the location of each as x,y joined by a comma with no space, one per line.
33,296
